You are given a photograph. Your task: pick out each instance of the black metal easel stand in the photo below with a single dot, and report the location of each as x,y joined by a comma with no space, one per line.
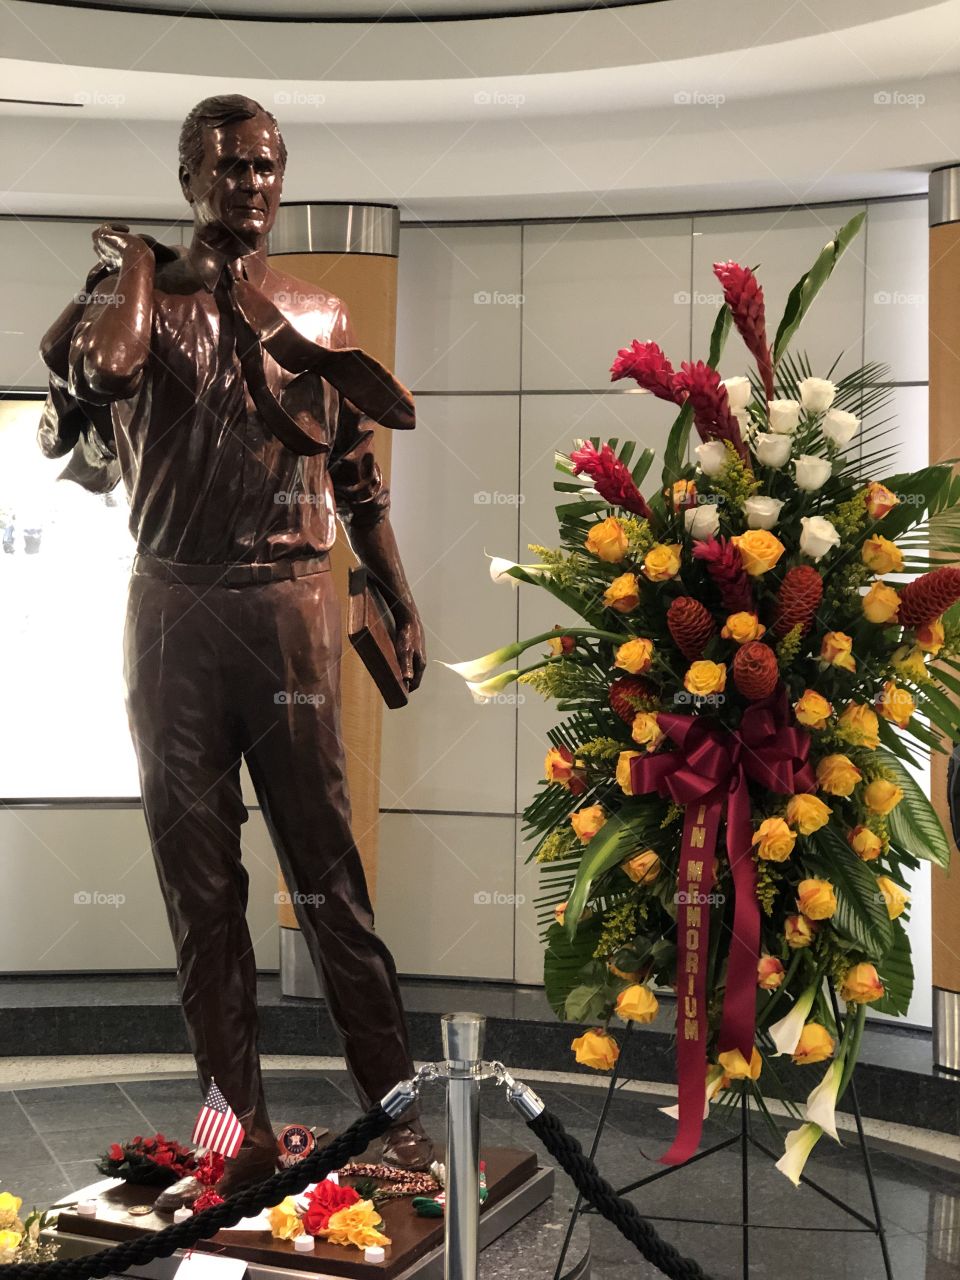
743,1139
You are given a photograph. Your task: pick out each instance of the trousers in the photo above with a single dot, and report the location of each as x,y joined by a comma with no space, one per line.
217,673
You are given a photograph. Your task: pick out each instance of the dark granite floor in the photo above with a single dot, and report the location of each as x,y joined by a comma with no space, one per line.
50,1136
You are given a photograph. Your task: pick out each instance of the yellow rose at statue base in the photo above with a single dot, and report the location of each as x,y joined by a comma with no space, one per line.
596,1049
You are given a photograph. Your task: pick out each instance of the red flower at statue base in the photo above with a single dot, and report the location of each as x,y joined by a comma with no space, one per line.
324,1201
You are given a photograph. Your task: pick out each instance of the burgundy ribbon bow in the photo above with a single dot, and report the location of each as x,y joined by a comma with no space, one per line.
713,767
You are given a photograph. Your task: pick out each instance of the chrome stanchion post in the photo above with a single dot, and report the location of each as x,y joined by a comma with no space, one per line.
463,1049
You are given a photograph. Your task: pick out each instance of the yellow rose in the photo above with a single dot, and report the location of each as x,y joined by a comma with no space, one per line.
285,1223
908,662
836,651
558,766
816,899
807,813
642,868
596,1049
880,500
892,894
682,494
812,709
896,704
623,770
645,730
799,931
10,1206
662,562
770,973
355,1224
759,550
742,628
735,1066
608,540
774,840
587,822
838,775
858,725
634,656
881,604
881,555
866,844
637,1004
816,1044
930,638
9,1242
705,677
861,985
561,644
880,796
623,593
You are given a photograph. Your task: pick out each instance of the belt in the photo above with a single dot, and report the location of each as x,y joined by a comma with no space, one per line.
230,575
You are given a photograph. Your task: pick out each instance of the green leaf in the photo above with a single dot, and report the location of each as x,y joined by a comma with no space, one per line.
896,974
620,834
591,1001
564,961
811,282
914,823
861,913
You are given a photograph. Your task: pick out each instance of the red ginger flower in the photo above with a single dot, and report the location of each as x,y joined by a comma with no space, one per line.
755,671
691,626
649,368
798,600
722,561
324,1201
744,296
611,478
630,694
929,596
711,408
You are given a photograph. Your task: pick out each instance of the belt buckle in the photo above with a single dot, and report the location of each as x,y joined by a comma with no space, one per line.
261,573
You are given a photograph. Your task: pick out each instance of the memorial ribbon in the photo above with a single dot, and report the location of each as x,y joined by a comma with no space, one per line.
709,775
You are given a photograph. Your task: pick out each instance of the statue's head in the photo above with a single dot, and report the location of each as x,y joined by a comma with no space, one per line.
232,159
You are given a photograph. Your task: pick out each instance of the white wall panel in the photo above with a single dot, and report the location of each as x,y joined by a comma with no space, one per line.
895,311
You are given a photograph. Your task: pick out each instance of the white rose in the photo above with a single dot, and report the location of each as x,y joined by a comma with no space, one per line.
839,427
816,394
744,421
818,537
702,521
712,456
773,451
762,512
784,416
812,473
739,392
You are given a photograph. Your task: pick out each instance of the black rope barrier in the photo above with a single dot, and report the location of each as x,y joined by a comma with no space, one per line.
244,1204
625,1217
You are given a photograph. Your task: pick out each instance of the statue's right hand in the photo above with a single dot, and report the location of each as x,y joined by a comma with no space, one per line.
115,245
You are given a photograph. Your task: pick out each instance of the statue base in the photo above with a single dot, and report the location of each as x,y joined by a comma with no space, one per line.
516,1186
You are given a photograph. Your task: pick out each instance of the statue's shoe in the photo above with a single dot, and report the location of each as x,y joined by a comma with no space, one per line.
177,1195
408,1146
250,1165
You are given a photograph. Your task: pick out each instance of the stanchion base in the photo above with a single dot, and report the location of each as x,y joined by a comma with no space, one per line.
516,1185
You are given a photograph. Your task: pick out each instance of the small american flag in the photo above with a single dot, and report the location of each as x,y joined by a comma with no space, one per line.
217,1128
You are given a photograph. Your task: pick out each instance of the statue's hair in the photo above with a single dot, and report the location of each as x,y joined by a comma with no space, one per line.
213,113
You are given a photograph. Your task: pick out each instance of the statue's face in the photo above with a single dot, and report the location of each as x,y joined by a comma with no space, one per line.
239,183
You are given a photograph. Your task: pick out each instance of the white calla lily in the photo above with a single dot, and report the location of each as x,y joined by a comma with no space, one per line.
799,1143
786,1033
478,669
484,690
822,1103
714,1076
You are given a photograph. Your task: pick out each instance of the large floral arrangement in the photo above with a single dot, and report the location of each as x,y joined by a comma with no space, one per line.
729,808
20,1237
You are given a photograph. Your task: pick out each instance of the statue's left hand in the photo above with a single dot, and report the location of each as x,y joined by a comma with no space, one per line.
411,648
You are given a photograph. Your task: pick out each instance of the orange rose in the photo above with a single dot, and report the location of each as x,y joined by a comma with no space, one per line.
662,562
866,844
560,767
836,651
770,973
623,771
682,494
881,604
893,895
799,932
742,628
704,678
861,985
774,840
880,500
896,704
838,775
608,540
858,725
637,1004
759,550
930,638
880,796
646,731
807,813
587,822
642,868
735,1066
881,555
623,593
812,709
816,1044
816,899
596,1049
635,656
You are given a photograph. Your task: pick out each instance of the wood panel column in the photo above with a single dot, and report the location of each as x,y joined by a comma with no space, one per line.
349,250
945,443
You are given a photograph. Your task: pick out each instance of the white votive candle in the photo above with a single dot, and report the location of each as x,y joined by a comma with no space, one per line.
304,1243
374,1253
87,1208
182,1214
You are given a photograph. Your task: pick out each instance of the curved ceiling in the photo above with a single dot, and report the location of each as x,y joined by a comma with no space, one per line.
354,10
644,108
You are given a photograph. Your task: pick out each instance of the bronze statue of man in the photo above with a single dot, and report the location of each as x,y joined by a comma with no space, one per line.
232,402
